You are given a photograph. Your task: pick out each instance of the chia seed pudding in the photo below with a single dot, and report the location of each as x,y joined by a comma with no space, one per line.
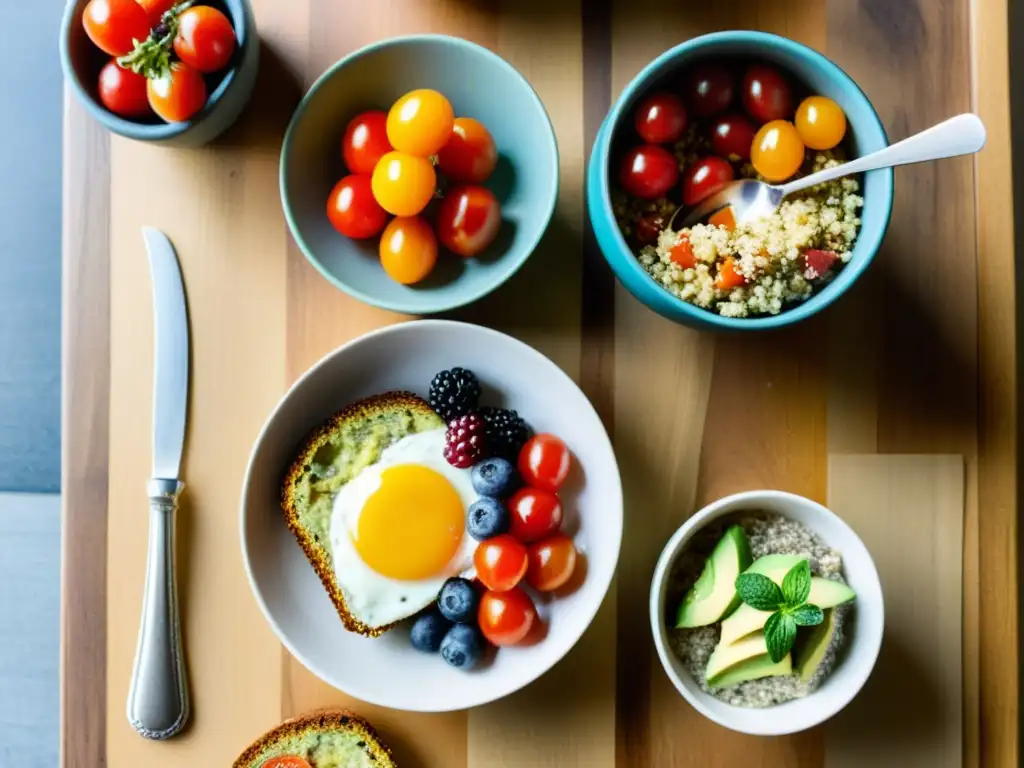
767,534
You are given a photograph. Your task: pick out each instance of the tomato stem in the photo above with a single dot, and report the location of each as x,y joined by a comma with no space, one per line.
152,57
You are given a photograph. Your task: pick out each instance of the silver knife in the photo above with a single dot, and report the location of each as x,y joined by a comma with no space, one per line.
158,701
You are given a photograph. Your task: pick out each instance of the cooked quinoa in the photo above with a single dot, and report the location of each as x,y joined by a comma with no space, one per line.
768,535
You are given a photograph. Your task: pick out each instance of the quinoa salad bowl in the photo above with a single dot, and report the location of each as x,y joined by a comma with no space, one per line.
727,106
723,654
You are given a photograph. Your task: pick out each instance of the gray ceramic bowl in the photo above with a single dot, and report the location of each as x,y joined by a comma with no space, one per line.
229,90
479,84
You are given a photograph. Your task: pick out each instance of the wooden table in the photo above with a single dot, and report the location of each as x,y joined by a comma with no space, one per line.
919,359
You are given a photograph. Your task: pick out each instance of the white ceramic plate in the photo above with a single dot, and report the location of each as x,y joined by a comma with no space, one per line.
387,670
863,642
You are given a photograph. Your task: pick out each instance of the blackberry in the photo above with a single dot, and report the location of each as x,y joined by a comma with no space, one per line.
506,432
465,442
454,393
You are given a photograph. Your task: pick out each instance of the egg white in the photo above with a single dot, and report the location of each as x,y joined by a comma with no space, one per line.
372,598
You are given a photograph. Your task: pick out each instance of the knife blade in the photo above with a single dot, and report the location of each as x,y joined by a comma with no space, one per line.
158,699
170,370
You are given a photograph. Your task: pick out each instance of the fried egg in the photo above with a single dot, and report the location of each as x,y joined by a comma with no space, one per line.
398,530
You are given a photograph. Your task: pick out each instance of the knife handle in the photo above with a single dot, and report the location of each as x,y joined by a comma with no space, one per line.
158,705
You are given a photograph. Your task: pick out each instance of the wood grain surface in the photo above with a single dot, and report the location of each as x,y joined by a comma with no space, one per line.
920,358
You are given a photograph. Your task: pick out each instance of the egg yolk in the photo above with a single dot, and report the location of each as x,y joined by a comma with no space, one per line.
412,526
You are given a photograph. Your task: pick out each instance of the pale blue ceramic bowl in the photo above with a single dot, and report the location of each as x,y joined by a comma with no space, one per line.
229,90
819,75
479,84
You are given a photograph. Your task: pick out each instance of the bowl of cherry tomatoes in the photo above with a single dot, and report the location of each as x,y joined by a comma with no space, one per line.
419,173
174,72
701,114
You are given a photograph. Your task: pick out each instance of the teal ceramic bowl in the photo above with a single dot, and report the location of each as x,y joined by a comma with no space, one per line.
816,73
479,84
229,90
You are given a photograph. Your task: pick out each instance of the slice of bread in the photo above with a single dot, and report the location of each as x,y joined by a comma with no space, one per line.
327,738
333,454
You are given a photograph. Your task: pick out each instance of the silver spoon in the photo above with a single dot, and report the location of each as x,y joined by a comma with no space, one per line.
751,199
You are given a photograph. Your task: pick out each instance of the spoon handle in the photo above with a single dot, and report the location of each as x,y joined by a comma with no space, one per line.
960,135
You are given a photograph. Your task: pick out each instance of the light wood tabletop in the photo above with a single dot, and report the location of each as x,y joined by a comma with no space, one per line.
897,406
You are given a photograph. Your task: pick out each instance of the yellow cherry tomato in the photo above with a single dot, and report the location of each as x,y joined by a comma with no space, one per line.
420,122
820,122
403,184
408,249
777,152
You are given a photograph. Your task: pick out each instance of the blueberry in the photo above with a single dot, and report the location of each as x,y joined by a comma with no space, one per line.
458,601
487,517
428,631
495,477
463,646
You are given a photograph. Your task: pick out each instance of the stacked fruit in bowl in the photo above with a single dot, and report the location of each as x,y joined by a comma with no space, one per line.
393,160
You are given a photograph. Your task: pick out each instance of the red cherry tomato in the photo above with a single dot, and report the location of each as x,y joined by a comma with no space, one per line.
552,562
661,119
500,562
710,89
468,220
535,514
766,94
544,462
177,94
122,91
470,154
205,38
648,228
113,25
365,141
155,9
506,618
731,137
353,210
648,171
704,178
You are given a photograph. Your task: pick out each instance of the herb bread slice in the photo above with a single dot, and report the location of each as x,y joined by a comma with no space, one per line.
328,738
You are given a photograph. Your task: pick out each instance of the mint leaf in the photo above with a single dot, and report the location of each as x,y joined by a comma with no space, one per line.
796,586
759,591
807,615
779,635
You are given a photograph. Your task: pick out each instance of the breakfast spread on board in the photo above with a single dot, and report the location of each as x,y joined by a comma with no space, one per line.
167,56
737,122
440,510
763,608
393,159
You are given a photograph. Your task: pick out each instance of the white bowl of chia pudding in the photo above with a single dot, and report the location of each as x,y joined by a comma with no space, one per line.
767,612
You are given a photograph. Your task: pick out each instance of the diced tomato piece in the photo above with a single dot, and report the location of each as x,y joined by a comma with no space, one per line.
728,278
723,218
819,262
682,254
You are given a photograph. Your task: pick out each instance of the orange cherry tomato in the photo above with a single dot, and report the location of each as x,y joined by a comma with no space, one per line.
403,184
177,94
500,562
205,38
352,209
506,618
552,562
820,122
468,220
155,9
365,141
420,123
122,91
408,249
470,155
777,152
114,25
544,462
728,278
289,761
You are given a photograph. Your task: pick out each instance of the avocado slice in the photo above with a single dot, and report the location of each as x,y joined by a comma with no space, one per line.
825,593
770,564
713,595
811,652
745,660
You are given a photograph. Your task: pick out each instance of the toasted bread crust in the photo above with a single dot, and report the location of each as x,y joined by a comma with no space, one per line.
318,721
316,555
